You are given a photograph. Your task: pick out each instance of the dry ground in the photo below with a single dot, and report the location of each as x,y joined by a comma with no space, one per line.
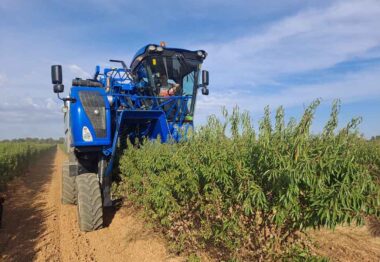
347,244
36,227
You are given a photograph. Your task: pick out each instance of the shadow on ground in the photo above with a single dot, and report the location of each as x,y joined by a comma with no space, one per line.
109,212
24,211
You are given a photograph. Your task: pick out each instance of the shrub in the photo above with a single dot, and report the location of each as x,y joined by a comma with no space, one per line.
243,194
15,157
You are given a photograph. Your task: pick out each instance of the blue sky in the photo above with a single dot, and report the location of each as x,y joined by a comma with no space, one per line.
260,53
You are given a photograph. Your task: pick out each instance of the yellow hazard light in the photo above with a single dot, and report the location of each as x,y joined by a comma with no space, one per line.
154,62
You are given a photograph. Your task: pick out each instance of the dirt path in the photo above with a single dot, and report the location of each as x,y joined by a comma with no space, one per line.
36,227
347,244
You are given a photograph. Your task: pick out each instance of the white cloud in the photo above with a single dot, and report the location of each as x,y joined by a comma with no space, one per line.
311,40
79,72
51,104
355,87
30,117
29,110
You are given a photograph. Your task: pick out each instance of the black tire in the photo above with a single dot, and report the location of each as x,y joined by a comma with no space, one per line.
90,208
69,191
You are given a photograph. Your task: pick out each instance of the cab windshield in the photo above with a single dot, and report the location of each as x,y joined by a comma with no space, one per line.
168,76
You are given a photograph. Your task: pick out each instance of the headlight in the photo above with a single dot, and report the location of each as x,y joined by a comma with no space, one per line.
202,54
151,48
160,49
86,134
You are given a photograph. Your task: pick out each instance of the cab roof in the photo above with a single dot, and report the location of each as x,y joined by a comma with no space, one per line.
144,52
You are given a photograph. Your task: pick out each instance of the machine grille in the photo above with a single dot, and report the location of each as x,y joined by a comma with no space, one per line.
93,104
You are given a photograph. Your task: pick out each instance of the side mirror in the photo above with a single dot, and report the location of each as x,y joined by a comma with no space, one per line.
58,88
56,74
205,91
205,78
56,78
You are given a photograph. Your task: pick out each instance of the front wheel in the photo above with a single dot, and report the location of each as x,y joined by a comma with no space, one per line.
68,190
89,201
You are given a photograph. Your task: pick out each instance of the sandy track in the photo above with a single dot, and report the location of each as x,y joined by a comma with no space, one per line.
36,227
347,244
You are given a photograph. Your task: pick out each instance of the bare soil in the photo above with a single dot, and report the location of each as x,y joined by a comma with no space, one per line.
347,244
36,227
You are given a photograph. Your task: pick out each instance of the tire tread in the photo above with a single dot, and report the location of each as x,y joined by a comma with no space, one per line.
69,189
90,204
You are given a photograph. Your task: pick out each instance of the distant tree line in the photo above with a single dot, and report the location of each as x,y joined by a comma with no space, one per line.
36,140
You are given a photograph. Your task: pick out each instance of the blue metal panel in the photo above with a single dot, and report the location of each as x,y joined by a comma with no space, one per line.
79,119
139,52
136,110
159,125
159,128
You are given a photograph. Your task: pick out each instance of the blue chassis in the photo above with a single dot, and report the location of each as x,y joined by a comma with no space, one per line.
128,113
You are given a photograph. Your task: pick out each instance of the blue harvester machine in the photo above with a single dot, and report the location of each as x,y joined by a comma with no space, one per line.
153,98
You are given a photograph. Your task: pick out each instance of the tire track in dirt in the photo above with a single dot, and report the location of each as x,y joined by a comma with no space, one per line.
36,227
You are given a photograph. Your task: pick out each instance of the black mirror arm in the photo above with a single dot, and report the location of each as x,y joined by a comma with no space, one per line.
64,99
205,91
202,85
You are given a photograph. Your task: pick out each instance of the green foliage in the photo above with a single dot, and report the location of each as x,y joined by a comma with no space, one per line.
245,195
15,157
193,258
35,140
369,154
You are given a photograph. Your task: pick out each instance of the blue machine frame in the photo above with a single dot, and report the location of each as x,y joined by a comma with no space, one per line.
126,109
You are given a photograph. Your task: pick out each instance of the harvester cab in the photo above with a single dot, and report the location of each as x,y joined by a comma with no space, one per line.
152,99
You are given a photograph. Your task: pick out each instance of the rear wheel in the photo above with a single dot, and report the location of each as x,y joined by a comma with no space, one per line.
90,209
69,192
